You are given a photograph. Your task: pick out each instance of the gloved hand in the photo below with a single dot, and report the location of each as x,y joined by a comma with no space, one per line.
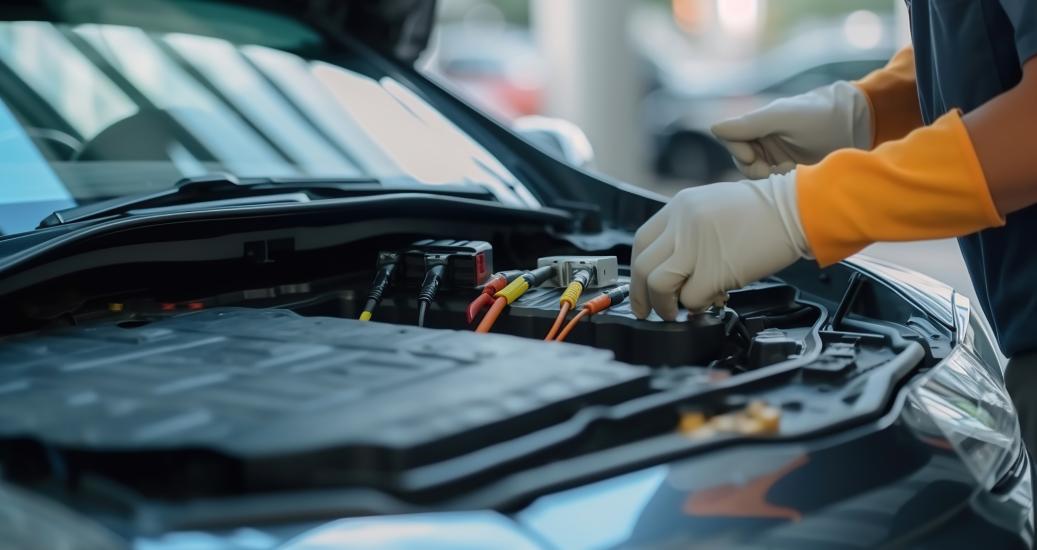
714,238
801,129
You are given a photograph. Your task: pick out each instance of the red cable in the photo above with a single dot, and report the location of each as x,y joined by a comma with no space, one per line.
477,305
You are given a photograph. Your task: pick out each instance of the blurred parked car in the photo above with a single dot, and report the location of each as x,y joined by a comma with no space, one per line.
497,68
681,111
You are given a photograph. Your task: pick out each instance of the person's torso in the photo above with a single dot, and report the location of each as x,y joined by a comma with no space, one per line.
965,54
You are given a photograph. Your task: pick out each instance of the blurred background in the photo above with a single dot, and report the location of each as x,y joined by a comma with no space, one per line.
645,79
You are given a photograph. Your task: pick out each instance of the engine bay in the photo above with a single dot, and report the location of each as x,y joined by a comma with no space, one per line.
155,397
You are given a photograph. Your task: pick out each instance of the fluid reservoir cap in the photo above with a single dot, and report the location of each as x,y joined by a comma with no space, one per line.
605,269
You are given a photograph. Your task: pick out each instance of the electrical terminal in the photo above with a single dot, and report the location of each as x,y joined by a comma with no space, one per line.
604,270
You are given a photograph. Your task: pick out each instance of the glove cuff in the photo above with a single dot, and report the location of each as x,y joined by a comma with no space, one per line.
783,195
928,185
892,96
853,103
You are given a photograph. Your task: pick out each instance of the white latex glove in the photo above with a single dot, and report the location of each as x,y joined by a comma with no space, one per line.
795,130
715,238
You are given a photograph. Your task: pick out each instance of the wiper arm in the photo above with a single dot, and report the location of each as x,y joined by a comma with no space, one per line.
217,186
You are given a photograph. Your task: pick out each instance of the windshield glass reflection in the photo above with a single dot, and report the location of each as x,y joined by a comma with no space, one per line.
115,110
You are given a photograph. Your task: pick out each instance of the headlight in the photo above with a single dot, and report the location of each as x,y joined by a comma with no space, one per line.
972,411
963,400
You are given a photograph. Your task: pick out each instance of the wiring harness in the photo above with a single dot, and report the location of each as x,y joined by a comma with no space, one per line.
430,265
485,299
594,306
515,289
568,300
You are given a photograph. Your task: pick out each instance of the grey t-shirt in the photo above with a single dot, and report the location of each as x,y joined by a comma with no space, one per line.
967,52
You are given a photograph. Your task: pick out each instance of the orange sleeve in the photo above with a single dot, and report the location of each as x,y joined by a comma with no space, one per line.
892,94
929,185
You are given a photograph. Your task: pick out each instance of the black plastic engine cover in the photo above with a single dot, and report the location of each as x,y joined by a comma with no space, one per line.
278,400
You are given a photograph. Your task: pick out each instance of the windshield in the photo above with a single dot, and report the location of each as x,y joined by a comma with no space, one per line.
96,110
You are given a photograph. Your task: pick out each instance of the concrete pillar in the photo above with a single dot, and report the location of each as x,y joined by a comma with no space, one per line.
901,23
592,78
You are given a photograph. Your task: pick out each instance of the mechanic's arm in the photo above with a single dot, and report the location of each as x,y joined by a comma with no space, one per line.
955,177
804,129
1004,132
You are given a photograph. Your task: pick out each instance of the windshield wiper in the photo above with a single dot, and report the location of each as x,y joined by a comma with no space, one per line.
215,187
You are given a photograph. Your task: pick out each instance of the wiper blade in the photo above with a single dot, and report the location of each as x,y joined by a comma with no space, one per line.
218,186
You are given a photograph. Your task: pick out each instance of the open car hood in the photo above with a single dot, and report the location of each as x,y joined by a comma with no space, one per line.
398,28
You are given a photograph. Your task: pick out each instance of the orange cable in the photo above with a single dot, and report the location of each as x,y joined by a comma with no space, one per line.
572,324
562,312
491,316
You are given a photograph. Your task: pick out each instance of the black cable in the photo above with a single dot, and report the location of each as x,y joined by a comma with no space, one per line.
422,309
540,275
383,277
896,339
429,287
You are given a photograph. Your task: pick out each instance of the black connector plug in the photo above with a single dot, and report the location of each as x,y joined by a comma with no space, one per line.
387,262
541,275
429,287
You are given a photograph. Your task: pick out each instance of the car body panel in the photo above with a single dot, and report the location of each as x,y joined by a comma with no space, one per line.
444,531
886,483
935,297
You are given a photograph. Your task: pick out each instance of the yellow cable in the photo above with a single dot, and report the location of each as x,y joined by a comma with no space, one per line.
366,316
572,294
514,290
566,303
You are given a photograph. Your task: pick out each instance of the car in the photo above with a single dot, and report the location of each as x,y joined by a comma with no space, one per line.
497,67
691,97
224,221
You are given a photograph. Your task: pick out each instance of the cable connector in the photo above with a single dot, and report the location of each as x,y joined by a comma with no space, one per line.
568,300
386,266
608,299
604,270
513,291
573,292
524,282
496,283
430,286
594,306
468,263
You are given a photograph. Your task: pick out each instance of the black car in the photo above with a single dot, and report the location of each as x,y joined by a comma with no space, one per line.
195,198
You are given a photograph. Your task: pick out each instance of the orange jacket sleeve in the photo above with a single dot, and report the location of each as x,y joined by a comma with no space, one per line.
892,94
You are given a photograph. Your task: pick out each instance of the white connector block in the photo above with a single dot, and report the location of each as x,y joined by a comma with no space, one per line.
604,269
